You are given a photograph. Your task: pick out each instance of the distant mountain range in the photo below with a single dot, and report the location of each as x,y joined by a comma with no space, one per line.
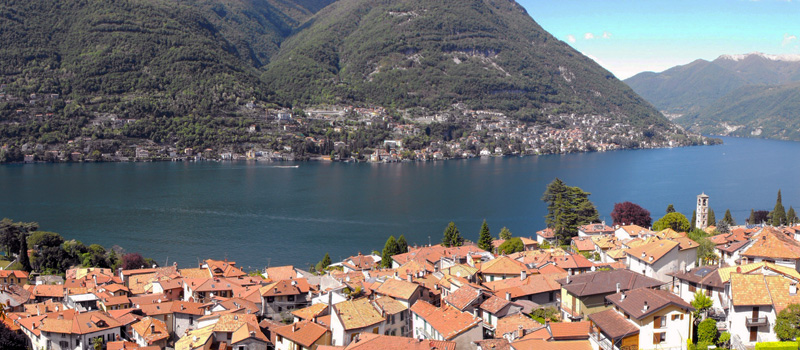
750,95
208,59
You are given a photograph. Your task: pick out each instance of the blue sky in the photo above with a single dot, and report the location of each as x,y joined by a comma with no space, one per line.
627,37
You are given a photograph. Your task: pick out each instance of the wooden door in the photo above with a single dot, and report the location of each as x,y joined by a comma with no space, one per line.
753,333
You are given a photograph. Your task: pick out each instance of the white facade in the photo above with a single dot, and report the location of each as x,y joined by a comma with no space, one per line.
675,260
423,330
342,337
738,323
61,341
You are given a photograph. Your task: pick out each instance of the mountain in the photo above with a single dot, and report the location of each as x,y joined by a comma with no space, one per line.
204,73
747,95
487,54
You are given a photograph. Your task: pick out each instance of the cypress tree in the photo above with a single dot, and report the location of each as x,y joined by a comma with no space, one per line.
567,209
326,261
505,234
729,218
692,223
779,213
752,219
389,249
791,217
23,253
485,239
670,209
712,219
452,237
402,245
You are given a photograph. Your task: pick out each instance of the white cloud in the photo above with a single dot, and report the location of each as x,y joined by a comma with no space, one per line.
571,38
588,36
606,35
788,39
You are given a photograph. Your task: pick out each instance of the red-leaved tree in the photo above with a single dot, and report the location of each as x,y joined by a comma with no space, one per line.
132,261
627,213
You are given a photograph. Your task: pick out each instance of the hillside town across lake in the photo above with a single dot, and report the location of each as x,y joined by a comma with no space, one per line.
620,287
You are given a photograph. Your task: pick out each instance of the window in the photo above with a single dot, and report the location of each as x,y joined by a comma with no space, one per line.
692,287
402,316
552,296
63,344
658,322
191,320
675,317
270,299
659,338
291,298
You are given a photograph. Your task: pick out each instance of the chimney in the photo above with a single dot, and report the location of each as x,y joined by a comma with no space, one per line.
152,328
508,296
645,307
617,287
408,278
294,327
622,296
523,275
643,254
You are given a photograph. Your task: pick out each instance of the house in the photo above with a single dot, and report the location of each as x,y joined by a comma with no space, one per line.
13,277
311,312
69,329
771,245
367,341
585,294
756,301
14,297
445,323
596,229
360,262
280,298
150,332
642,318
515,327
398,320
625,232
302,335
495,308
659,258
405,292
541,289
222,268
349,318
466,298
501,268
730,253
546,235
583,244
232,331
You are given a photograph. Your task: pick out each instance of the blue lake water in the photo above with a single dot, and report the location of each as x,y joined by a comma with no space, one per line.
265,214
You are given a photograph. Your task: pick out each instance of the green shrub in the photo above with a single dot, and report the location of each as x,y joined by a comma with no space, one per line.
707,331
777,345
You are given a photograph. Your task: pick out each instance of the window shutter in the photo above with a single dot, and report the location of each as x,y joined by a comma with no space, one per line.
656,338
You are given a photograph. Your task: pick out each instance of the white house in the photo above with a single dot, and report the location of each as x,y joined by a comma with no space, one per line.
445,323
69,329
659,258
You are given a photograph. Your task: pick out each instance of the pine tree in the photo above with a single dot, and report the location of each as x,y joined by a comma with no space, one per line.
24,261
670,209
402,245
752,219
791,217
505,234
452,237
692,224
712,219
326,261
729,218
485,240
389,249
779,213
567,209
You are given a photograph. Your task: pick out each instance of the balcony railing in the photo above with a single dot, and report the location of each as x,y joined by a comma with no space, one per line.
756,321
603,342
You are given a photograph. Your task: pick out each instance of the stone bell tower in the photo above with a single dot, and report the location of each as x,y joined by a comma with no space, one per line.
702,211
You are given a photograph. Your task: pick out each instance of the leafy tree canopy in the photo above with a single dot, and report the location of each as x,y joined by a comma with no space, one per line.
675,221
627,213
787,324
567,209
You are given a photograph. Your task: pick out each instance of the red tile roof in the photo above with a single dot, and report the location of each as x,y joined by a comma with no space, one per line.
305,333
448,321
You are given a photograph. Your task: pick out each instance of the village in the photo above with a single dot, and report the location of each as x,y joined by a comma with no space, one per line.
617,287
324,133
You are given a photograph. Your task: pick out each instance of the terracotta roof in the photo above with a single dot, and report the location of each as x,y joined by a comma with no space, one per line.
280,273
515,323
121,345
494,344
531,285
286,287
770,243
463,297
305,333
613,324
538,344
433,253
731,247
494,304
71,322
636,230
606,242
652,252
641,302
195,273
753,290
224,268
583,244
195,339
779,291
596,229
358,313
389,305
15,273
702,275
48,291
360,262
398,288
546,233
308,313
605,282
685,242
448,321
368,341
570,330
151,329
503,265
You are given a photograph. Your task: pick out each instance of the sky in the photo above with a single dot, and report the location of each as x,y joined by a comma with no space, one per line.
632,36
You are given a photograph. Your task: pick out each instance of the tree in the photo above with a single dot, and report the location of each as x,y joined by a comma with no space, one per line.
723,226
485,240
452,237
44,239
759,217
326,260
10,340
779,213
752,219
402,244
9,234
627,213
511,246
675,221
712,219
567,209
693,223
705,248
23,259
724,338
729,218
791,217
389,249
97,343
701,303
787,324
133,261
707,331
505,234
670,209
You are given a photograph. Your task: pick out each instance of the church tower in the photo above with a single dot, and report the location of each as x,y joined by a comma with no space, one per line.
702,211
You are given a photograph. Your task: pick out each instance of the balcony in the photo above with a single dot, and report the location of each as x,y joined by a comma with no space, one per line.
756,321
602,342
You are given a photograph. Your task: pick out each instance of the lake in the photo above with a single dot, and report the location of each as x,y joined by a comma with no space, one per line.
261,214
